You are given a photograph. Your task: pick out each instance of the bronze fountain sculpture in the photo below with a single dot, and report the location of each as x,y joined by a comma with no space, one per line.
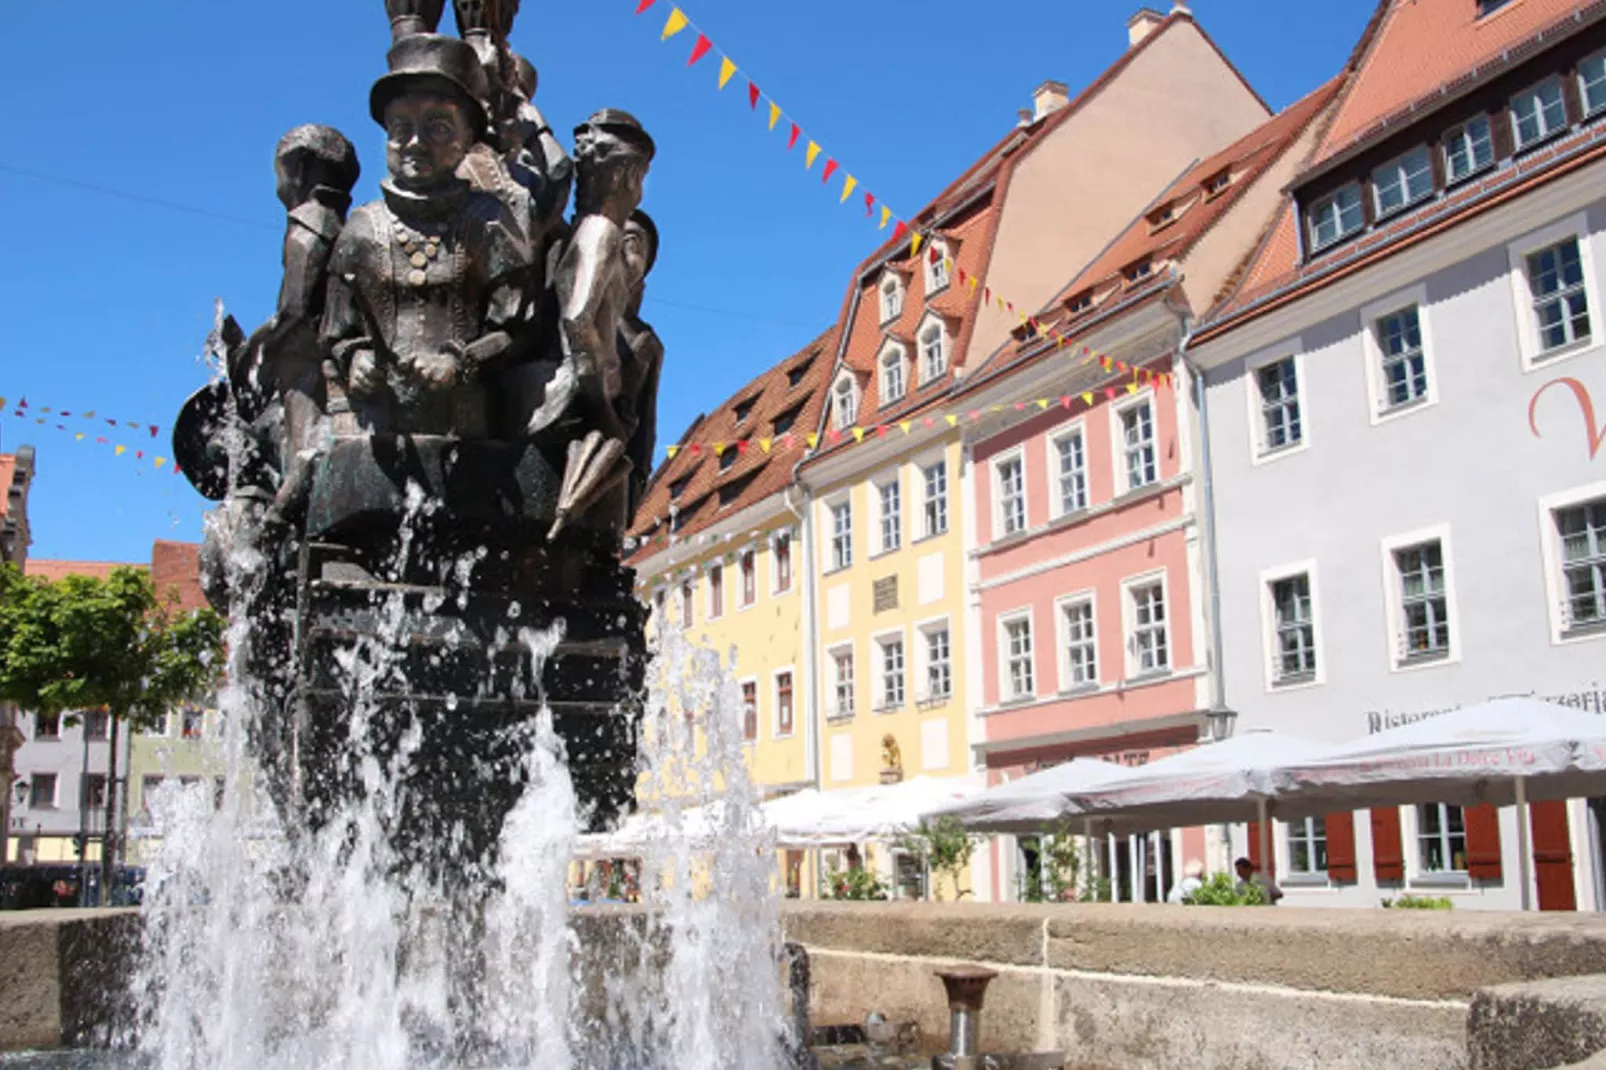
436,443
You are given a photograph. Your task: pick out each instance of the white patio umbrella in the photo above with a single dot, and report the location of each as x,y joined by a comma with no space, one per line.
1504,752
1032,802
856,815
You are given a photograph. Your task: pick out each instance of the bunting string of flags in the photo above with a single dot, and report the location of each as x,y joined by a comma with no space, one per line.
115,438
677,23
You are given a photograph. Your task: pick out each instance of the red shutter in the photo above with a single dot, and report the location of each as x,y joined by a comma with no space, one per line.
1254,851
1483,843
1388,846
1341,848
1553,856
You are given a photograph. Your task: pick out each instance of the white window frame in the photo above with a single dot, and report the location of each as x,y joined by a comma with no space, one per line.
1534,357
758,711
893,308
1062,641
775,541
1261,452
924,468
925,630
775,702
1074,429
715,610
1583,85
1118,411
1393,593
892,370
844,402
878,648
1459,131
688,602
894,480
1271,651
1006,690
742,601
1378,409
1303,830
1397,166
833,655
937,276
931,323
1418,871
1132,670
1015,456
1552,558
33,786
1312,242
1519,146
834,562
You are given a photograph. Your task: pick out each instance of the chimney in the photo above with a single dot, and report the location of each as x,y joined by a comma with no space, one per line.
1145,22
1049,98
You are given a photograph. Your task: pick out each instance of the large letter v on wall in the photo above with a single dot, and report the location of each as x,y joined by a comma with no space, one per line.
1595,433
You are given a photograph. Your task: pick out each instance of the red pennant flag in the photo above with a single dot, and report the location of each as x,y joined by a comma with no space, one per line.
154,430
752,95
741,447
975,414
64,412
869,205
700,49
899,231
1020,406
644,5
962,277
830,169
101,441
1109,393
139,455
881,431
930,422
1065,402
791,142
834,436
1011,306
986,295
696,450
23,404
111,423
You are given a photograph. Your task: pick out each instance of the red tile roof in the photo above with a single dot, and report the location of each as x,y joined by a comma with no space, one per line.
176,574
764,474
1416,48
51,571
1194,211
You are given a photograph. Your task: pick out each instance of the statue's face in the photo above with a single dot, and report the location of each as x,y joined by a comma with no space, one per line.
605,165
637,247
427,137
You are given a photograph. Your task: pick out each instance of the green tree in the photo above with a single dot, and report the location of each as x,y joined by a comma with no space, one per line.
946,846
83,643
1059,866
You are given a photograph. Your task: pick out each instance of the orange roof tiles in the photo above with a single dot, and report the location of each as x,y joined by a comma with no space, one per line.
753,475
51,571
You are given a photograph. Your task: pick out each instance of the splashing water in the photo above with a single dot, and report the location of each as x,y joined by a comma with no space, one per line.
269,945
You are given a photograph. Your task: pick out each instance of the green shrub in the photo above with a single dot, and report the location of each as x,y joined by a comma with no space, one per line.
1419,902
1221,890
859,885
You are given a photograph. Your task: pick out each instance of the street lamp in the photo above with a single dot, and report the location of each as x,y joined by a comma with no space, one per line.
1220,722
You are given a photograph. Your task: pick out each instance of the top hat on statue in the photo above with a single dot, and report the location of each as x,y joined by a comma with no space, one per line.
624,126
409,17
431,63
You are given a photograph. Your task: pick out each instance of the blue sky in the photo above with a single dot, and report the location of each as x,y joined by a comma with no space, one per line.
105,300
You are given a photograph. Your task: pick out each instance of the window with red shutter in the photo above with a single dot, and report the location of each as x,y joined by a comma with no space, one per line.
1254,852
1483,843
1341,867
1388,846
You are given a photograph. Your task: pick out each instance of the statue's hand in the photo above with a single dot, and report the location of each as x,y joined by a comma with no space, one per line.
364,375
439,371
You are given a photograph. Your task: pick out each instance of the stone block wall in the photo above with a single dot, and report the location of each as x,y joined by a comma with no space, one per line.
64,976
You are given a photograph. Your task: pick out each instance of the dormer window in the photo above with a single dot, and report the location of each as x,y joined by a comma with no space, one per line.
1162,216
734,489
892,379
1592,83
1139,271
784,422
727,458
844,403
937,268
1217,182
744,409
1489,7
891,298
933,351
1538,113
799,370
1335,216
678,487
1403,181
1468,149
1080,302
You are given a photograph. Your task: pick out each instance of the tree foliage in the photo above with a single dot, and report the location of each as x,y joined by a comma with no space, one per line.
1222,890
945,845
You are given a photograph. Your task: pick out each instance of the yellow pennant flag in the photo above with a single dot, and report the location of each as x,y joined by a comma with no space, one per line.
727,71
814,442
974,282
2,403
90,415
953,421
672,451
914,243
160,461
1042,403
948,264
80,436
677,22
121,450
1132,388
1000,302
764,444
886,217
1087,398
775,114
858,434
814,154
998,408
904,425
847,188
719,449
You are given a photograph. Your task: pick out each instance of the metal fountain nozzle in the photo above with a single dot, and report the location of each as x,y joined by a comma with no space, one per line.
967,989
